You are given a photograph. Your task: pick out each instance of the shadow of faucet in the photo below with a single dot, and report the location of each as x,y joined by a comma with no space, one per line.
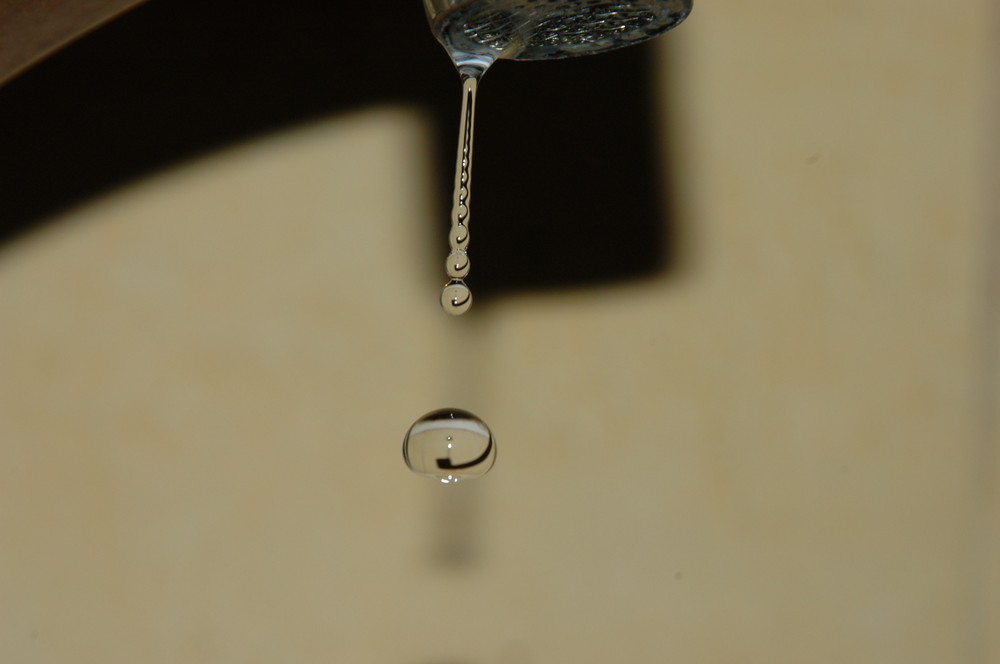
568,181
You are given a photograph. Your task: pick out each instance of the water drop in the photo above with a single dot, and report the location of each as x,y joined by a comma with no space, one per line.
458,264
456,298
449,445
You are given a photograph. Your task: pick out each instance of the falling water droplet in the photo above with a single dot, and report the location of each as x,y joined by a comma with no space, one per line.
449,445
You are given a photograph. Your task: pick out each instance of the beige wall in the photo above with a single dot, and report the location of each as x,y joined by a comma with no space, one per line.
785,451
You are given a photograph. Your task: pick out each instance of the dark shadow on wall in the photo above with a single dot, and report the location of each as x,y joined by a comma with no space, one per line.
568,184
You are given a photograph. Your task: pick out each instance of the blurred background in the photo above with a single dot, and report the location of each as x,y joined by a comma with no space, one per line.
737,332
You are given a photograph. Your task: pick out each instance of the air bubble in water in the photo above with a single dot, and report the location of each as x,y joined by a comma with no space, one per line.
449,445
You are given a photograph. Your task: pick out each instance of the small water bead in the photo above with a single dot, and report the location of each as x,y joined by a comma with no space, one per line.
458,264
459,237
449,445
456,298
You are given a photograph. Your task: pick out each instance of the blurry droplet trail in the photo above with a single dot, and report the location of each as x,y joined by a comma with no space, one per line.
477,33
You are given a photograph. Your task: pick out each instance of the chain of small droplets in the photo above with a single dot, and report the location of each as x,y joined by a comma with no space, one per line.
456,298
458,260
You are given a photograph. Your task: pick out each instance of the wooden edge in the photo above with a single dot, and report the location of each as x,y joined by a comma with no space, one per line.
31,30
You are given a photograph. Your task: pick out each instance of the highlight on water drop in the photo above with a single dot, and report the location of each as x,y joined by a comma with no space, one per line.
449,445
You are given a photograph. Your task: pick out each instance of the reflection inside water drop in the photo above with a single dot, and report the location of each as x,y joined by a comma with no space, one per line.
456,298
449,445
